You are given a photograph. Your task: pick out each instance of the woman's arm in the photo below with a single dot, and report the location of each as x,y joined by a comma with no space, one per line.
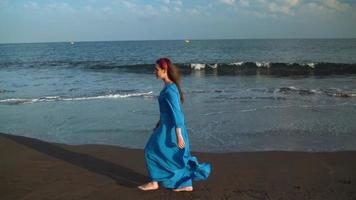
172,99
177,115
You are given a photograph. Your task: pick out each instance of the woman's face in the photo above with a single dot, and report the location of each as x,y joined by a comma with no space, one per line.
160,73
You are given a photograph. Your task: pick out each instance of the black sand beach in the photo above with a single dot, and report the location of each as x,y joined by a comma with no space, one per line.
34,169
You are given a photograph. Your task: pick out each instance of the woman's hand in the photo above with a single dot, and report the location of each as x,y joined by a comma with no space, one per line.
180,140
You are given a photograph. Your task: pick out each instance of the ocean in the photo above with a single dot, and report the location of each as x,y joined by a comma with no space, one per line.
241,95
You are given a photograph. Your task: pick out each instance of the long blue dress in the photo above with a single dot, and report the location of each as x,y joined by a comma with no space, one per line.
166,163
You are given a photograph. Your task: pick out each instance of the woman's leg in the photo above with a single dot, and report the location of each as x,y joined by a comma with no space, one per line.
152,185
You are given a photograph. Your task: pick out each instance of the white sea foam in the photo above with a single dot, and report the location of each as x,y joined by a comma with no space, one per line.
312,65
214,66
14,100
248,110
58,98
197,66
237,63
263,64
292,88
212,113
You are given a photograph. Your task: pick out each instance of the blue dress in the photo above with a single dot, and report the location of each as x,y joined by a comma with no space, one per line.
166,163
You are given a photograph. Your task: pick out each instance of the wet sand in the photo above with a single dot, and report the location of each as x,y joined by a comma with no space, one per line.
34,169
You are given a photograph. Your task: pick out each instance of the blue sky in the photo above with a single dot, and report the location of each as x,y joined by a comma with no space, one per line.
106,20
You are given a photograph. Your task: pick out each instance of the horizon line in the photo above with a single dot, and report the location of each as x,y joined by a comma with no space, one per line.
191,39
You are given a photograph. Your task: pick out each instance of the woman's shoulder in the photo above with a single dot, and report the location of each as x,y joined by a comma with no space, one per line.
171,89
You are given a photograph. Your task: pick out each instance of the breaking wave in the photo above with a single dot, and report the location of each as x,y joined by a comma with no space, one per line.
235,68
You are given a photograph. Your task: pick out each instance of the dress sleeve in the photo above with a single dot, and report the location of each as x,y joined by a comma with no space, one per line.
174,107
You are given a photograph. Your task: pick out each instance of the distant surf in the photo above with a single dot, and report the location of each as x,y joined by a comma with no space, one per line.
234,68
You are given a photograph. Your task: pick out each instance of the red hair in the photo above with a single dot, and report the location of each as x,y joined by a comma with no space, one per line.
164,63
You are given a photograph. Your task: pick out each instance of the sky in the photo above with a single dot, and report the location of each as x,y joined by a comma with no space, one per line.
112,20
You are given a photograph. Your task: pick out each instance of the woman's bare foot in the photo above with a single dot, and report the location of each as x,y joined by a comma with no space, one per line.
149,186
184,189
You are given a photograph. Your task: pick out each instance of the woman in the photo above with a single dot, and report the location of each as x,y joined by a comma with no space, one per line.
167,153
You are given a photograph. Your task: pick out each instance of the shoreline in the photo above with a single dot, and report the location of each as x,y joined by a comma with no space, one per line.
35,169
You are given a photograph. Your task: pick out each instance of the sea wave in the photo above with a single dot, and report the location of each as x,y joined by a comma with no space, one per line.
333,92
283,93
234,68
16,101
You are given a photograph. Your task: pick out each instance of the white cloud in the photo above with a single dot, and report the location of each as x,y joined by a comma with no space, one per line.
177,9
284,9
171,5
129,4
244,3
193,11
327,6
31,5
228,2
167,7
164,9
178,3
148,7
61,6
171,2
292,2
337,5
106,10
314,6
50,7
277,7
